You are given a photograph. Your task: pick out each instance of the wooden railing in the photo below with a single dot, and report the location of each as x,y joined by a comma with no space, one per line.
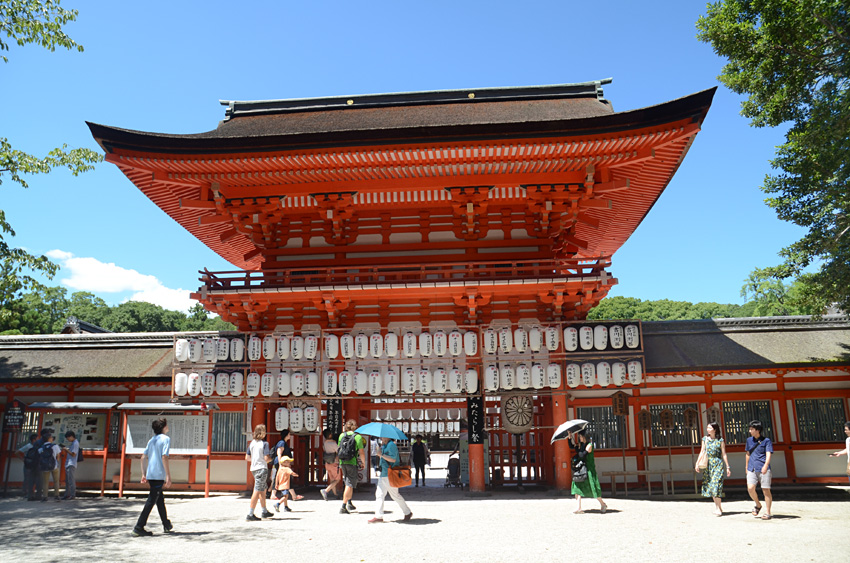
403,273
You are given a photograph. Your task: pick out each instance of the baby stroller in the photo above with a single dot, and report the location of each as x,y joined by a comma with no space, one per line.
453,473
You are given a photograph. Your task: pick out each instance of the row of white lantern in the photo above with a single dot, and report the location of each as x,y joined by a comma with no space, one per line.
604,374
586,338
296,419
420,414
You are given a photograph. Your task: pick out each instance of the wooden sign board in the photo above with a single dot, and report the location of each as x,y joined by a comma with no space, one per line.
189,434
713,414
644,418
620,403
667,419
691,418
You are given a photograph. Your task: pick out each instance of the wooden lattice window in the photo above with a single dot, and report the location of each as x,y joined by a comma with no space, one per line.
679,435
820,420
228,432
604,429
737,416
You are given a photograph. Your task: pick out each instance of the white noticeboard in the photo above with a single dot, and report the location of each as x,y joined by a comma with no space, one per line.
189,434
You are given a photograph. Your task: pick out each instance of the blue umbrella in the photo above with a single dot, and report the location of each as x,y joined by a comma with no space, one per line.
381,430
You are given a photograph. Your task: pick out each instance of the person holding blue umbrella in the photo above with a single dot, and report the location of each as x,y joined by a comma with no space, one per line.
389,457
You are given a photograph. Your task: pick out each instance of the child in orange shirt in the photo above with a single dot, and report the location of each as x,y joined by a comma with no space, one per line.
284,473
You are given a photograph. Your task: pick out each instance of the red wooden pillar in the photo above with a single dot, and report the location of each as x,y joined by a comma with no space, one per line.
477,477
563,470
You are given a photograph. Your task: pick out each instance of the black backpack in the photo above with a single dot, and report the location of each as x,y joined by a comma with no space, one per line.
579,469
80,455
31,457
347,447
46,460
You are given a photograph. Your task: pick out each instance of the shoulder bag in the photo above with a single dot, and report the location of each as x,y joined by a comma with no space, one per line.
399,475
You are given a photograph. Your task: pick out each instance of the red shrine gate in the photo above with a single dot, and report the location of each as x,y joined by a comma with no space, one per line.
423,213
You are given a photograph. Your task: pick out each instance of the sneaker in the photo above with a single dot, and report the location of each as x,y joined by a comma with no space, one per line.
267,514
168,527
375,520
344,510
351,507
287,509
44,499
324,494
408,516
277,507
252,518
141,532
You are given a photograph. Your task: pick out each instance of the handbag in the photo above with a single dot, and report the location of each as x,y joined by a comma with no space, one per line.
702,461
579,469
399,476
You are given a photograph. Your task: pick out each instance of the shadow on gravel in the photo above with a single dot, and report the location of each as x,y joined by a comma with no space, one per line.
419,521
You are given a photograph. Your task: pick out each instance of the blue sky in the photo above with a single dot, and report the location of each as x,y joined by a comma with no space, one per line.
164,66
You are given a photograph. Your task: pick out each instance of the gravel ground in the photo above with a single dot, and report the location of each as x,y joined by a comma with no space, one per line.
447,525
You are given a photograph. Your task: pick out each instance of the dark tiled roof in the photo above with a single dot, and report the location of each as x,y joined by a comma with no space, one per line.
746,343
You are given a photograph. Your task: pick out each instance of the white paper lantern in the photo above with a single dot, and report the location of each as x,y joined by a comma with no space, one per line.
635,372
603,374
361,382
311,381
329,381
538,376
252,384
255,348
470,380
237,349
455,343
311,346
346,382
523,376
425,344
588,374
616,337
269,347
311,419
222,349
585,338
196,351
281,419
426,381
440,343
441,380
632,336
600,337
376,345
284,384
391,382
296,345
267,385
181,383
535,339
420,427
408,344
346,346
491,341
297,385
553,338
507,377
194,384
207,384
506,340
570,339
375,382
296,420
284,347
222,384
573,375
619,373
520,340
553,376
236,382
181,350
470,343
455,380
491,378
361,345
391,344
331,346
408,381
441,427
208,350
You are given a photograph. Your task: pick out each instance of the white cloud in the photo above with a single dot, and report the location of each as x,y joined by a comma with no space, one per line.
90,274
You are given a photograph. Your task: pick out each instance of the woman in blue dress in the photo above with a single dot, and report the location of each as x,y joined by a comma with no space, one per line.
714,449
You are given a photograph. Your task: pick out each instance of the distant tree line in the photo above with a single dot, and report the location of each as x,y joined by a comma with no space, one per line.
45,312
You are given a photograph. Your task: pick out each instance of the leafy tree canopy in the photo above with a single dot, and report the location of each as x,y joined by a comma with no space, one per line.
790,57
613,308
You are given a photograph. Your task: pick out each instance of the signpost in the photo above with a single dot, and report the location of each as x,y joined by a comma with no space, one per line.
691,423
13,421
620,407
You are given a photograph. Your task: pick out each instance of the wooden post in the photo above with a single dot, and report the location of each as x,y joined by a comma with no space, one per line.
124,423
209,454
105,452
563,470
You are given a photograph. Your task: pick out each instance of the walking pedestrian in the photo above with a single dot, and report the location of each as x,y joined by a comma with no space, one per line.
714,450
589,486
280,449
331,461
72,451
759,451
258,455
282,485
351,453
388,458
30,466
421,456
846,449
49,466
156,472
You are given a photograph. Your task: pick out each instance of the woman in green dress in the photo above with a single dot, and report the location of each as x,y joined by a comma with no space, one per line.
589,487
714,450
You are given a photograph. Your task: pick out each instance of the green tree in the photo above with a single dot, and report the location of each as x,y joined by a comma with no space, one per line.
31,22
790,57
88,307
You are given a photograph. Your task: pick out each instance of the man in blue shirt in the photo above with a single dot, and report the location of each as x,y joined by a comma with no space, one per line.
759,450
156,472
